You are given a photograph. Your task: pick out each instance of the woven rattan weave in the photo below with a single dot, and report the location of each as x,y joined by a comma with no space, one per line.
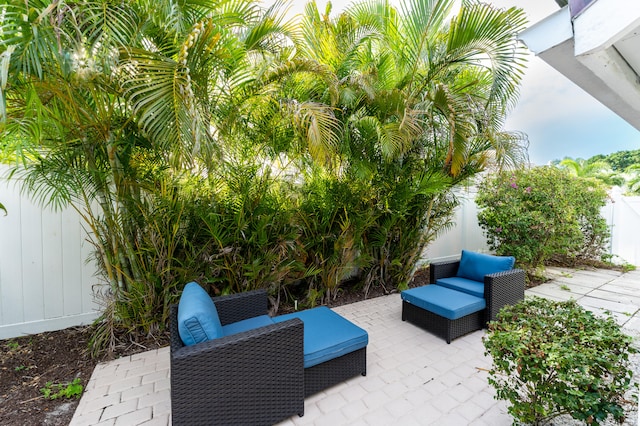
256,377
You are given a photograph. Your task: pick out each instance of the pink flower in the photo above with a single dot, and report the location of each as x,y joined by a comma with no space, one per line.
513,185
527,190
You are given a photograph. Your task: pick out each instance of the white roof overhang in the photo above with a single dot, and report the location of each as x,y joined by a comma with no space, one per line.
599,50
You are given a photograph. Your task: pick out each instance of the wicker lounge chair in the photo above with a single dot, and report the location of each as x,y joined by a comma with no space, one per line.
257,376
457,303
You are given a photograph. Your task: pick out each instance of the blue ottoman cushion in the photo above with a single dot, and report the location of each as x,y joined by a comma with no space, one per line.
198,319
327,335
474,288
443,301
475,266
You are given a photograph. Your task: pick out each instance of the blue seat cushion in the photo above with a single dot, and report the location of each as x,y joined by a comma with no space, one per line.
198,319
247,324
475,266
443,301
475,288
327,335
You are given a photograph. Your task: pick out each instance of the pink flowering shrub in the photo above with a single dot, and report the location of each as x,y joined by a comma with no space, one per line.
543,213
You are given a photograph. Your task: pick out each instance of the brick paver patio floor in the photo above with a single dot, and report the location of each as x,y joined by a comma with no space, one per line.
413,377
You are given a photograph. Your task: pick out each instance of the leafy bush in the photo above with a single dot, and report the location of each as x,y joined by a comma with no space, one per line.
62,390
247,227
553,358
542,213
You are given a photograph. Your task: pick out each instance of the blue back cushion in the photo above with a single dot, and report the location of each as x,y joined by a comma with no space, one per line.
475,266
198,319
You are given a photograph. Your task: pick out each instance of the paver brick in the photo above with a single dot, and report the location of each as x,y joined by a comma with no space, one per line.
98,404
160,420
160,385
154,376
134,418
162,407
124,384
331,419
137,392
461,394
354,393
331,403
375,399
154,398
119,409
451,419
472,412
354,410
395,390
380,417
142,370
398,407
85,418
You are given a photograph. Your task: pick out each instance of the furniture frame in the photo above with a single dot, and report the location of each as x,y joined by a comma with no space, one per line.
251,378
500,288
440,326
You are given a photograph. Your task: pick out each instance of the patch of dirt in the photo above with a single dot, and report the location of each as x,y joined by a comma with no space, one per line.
28,363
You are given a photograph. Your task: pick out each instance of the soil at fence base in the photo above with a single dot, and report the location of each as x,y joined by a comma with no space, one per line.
28,363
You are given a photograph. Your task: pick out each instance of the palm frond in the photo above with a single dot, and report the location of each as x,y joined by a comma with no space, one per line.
480,36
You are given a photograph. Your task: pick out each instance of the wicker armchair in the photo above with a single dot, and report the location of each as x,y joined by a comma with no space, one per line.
500,289
254,377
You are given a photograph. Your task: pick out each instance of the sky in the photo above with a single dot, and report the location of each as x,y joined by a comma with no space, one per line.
560,119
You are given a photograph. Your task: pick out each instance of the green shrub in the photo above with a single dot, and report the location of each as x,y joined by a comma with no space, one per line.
553,358
543,213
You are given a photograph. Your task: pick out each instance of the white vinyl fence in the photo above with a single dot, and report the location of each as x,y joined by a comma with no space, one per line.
623,217
46,283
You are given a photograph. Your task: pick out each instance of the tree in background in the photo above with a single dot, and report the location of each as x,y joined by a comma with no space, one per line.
599,170
616,169
620,160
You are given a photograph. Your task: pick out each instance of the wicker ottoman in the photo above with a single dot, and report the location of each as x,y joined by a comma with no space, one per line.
335,349
444,312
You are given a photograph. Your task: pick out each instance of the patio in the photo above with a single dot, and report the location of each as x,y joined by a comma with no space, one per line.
413,377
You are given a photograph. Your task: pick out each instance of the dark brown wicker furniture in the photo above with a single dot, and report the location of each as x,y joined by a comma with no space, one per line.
255,377
441,326
500,289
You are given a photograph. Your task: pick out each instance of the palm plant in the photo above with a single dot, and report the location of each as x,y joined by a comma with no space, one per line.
107,102
412,104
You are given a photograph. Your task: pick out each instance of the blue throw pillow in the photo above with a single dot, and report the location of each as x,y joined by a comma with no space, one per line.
475,266
198,319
